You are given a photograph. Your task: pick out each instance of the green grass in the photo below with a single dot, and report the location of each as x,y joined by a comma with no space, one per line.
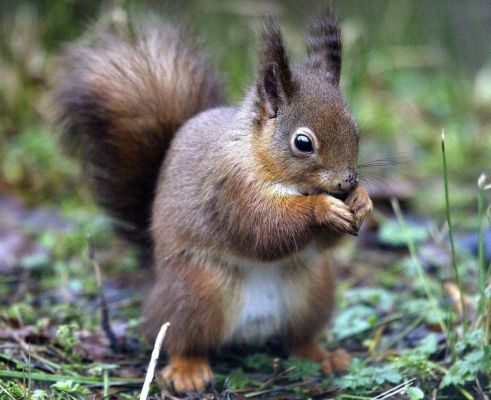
448,214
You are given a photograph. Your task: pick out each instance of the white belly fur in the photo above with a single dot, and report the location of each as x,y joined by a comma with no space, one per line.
263,305
266,299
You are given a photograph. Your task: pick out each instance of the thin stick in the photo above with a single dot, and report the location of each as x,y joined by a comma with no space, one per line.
86,380
395,390
153,361
106,326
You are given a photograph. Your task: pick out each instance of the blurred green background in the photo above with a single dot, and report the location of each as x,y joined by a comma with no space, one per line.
410,69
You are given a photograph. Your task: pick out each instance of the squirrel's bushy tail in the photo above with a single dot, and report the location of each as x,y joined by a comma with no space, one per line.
121,101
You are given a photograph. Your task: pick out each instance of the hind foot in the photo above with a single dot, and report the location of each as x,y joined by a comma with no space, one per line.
187,374
330,361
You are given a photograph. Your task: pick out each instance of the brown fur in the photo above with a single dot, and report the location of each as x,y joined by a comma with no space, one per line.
121,101
316,306
183,290
235,207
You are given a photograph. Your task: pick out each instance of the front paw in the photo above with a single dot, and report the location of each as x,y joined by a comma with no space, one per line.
336,215
360,204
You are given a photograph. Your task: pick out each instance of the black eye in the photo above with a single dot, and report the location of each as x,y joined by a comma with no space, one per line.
303,143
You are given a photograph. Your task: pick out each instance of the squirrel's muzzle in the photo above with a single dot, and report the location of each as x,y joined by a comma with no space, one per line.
348,182
340,182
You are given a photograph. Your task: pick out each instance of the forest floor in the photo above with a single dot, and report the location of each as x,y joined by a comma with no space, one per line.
399,316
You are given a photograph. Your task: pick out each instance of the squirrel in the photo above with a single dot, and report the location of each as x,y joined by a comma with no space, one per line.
236,205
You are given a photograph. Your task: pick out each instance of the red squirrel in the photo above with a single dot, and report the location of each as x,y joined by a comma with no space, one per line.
236,205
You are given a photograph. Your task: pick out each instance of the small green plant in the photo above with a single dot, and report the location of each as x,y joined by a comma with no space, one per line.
415,393
11,391
238,379
39,394
70,387
259,362
67,337
362,376
300,369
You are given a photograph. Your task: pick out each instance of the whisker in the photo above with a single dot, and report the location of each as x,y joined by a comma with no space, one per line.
377,180
379,163
389,161
382,162
385,173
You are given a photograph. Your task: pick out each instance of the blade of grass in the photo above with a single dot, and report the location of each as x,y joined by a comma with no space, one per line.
18,363
450,234
383,321
29,382
487,308
465,393
394,340
419,268
481,182
280,388
43,360
85,380
484,268
105,384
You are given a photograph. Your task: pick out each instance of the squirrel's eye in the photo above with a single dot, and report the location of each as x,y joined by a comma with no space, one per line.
303,143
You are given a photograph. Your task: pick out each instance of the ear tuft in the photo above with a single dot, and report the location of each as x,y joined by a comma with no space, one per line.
274,84
324,45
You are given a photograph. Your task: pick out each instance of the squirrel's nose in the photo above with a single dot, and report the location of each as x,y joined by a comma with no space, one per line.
349,182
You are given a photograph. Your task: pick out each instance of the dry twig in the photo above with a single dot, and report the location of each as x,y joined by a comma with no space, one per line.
106,326
153,361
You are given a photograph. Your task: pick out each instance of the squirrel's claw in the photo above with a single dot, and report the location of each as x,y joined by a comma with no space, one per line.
360,205
338,216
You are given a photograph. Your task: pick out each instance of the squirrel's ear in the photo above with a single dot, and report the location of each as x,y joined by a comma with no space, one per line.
274,83
324,45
